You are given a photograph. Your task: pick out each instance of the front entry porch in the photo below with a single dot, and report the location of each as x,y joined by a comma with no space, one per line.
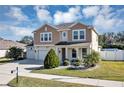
71,53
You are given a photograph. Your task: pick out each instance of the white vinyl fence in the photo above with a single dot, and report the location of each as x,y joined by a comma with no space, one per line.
112,54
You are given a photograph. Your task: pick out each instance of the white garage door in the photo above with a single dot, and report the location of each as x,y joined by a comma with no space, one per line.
30,53
42,54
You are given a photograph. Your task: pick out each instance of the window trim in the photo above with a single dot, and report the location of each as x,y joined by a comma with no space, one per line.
43,33
63,37
78,30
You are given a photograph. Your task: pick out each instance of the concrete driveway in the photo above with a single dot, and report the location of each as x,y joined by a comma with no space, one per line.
23,65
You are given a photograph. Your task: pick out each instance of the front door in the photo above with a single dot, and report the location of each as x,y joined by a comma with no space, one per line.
63,54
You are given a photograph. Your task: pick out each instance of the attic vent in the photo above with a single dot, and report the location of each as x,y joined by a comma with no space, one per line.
45,28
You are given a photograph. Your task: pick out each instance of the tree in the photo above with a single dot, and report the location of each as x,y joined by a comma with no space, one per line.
26,40
102,39
111,39
51,60
120,37
15,53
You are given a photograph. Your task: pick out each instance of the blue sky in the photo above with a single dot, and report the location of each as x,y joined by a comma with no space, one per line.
18,21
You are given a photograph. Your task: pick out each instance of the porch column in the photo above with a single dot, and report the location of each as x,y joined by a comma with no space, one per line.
66,52
77,52
56,49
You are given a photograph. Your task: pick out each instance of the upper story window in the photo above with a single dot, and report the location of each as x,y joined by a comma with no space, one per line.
75,36
46,37
78,35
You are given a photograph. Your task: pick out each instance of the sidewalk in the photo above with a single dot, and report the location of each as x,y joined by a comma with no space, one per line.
5,70
88,81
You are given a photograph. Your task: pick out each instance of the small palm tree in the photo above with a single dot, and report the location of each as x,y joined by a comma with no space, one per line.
92,59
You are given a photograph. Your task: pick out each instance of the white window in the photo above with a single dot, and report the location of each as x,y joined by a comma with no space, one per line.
79,34
50,36
75,36
46,37
41,37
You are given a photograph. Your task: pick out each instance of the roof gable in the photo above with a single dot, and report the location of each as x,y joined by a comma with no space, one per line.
67,26
54,27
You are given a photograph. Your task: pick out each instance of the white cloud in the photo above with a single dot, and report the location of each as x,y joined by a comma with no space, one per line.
104,23
43,14
3,27
106,11
104,18
15,30
16,13
90,11
73,14
21,31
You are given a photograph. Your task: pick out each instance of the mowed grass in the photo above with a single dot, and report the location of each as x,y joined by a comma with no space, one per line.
34,82
5,60
108,70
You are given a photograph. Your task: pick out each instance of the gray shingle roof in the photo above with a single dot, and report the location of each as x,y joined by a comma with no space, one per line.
6,44
70,43
68,26
64,25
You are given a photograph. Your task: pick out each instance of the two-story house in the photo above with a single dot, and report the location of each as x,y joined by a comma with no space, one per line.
69,40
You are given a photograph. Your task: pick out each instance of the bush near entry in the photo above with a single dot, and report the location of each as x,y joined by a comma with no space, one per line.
66,62
92,59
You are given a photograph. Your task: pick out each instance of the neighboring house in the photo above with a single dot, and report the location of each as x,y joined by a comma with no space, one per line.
6,44
69,40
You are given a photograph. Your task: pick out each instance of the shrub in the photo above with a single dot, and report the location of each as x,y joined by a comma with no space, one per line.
15,53
51,60
91,59
66,62
76,62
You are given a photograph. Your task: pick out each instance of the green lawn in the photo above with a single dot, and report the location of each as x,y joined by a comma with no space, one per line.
5,60
108,70
33,82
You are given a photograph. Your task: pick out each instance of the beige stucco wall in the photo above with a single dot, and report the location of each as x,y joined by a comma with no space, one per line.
94,41
56,35
80,26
